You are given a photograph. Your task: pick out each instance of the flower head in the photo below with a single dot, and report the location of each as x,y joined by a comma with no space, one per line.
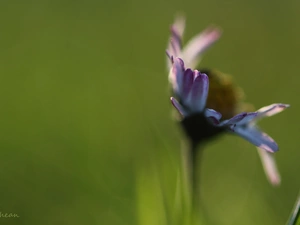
208,101
192,91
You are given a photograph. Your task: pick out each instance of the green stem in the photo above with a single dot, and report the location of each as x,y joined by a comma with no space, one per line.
196,153
191,177
296,213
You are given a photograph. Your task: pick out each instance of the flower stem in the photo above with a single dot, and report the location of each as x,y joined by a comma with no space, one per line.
191,177
295,217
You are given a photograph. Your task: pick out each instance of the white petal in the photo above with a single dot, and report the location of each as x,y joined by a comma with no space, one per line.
174,45
192,52
179,25
269,165
271,110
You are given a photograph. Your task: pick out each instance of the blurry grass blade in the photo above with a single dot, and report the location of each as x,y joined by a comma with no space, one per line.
178,205
295,217
150,202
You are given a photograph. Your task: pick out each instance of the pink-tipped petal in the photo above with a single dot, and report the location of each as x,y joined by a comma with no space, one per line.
199,91
270,167
175,43
175,47
212,113
176,40
256,137
196,46
177,106
178,26
176,76
271,110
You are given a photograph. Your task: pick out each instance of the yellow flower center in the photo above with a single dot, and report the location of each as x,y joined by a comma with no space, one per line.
224,96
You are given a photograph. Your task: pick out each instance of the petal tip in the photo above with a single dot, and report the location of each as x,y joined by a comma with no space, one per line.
178,107
275,181
286,105
179,61
268,148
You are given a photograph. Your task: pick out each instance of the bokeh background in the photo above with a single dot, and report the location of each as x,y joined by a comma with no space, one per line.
87,135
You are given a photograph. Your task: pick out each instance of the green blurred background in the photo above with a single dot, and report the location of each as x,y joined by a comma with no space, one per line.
86,131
